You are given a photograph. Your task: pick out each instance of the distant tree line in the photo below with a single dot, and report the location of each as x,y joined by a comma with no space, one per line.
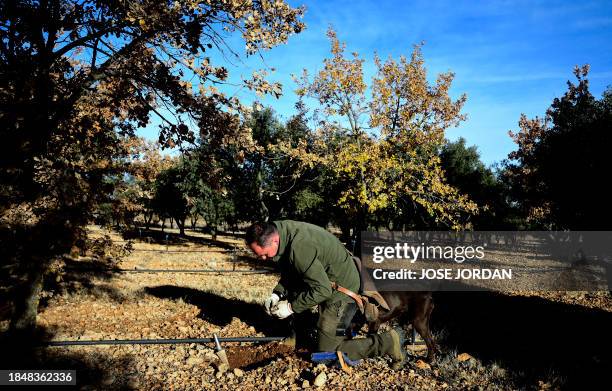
554,180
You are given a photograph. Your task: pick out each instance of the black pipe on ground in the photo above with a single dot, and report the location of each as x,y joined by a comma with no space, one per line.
182,251
254,271
160,341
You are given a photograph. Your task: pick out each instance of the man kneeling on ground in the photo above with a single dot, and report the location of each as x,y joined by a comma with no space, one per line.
310,260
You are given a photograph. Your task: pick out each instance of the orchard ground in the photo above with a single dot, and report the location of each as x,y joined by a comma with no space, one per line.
522,340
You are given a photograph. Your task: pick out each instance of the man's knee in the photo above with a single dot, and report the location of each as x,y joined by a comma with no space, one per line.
327,325
328,342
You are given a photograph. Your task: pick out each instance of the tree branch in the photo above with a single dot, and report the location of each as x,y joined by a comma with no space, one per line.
83,40
95,76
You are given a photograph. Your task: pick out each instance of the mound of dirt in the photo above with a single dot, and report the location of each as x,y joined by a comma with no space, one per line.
250,357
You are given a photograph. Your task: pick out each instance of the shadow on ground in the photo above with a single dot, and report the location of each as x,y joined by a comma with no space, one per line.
531,336
92,367
170,238
83,276
252,262
220,310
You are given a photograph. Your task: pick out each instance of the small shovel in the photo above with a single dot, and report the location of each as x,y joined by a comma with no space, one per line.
220,351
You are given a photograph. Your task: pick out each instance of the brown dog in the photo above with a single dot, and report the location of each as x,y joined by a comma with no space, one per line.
410,307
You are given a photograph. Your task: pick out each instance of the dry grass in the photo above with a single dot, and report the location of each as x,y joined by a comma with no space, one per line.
181,305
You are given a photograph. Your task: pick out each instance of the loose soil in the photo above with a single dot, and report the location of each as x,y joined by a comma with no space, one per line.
519,340
250,357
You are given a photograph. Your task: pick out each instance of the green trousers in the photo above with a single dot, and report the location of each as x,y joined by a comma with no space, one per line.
330,316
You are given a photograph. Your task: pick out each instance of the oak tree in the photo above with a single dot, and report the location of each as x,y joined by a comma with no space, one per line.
557,170
383,150
78,77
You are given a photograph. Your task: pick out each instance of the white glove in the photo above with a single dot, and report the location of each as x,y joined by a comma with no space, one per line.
282,310
271,302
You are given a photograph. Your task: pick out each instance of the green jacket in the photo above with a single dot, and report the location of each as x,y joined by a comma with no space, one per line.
309,258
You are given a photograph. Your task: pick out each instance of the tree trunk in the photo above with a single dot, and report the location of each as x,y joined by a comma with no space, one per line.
27,299
360,225
180,223
345,236
213,232
148,218
263,209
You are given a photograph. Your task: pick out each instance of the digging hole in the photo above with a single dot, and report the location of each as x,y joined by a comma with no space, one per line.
252,357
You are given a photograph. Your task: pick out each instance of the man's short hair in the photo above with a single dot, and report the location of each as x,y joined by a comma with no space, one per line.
260,233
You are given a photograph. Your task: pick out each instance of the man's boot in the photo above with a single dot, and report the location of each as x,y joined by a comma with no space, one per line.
396,351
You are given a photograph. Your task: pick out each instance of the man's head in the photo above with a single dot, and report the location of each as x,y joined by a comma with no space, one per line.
263,240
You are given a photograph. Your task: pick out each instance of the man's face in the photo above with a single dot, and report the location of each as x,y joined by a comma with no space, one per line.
268,251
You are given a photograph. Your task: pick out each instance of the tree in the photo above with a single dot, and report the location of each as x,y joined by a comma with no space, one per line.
171,199
412,116
124,202
215,205
80,76
276,174
397,165
129,191
561,160
257,166
464,170
311,197
216,208
349,154
145,165
257,171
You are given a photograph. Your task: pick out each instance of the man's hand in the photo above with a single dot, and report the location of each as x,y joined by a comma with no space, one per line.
271,302
282,310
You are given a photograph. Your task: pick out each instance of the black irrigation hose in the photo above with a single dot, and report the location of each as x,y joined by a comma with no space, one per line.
160,341
244,271
183,251
254,271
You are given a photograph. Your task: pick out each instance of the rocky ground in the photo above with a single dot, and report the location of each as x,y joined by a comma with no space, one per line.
91,305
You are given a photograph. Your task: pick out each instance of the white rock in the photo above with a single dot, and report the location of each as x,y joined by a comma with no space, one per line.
193,361
133,383
108,380
320,380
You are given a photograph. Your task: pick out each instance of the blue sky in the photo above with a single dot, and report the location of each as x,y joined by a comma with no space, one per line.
509,57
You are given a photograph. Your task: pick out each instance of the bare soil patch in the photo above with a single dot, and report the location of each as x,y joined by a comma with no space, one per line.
251,357
521,340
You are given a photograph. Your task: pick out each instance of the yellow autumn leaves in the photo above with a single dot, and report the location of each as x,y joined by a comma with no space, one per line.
384,150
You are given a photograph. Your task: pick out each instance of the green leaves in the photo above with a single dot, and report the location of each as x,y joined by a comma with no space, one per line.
561,158
380,173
